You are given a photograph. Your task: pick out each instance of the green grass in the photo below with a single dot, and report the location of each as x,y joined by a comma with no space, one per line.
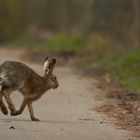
55,43
123,67
127,69
65,42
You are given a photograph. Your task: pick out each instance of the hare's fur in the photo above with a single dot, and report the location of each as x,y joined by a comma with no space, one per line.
18,76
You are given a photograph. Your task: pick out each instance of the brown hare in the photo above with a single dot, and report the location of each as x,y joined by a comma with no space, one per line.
18,76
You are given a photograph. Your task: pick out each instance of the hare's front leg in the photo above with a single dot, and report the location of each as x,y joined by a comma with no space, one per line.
9,102
27,100
31,112
24,103
2,105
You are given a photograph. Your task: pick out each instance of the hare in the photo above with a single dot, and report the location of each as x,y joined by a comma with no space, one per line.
18,76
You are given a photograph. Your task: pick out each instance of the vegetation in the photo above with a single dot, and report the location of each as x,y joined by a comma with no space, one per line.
57,42
65,42
117,19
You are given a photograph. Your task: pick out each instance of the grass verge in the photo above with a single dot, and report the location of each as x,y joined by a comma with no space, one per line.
119,63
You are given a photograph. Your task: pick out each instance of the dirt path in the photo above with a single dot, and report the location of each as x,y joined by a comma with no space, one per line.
65,113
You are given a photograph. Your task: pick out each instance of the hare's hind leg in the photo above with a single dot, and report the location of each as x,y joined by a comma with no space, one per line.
9,101
2,105
31,112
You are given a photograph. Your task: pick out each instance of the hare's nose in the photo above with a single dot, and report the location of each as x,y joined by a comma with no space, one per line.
47,71
0,79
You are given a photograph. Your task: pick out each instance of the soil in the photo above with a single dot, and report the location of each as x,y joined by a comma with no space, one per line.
123,105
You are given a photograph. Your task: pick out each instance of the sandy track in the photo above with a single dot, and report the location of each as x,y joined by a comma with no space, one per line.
65,113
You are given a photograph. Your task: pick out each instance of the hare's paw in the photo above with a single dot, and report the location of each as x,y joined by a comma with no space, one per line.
15,113
34,119
12,113
4,110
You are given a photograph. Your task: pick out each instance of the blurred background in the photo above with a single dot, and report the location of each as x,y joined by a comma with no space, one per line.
102,34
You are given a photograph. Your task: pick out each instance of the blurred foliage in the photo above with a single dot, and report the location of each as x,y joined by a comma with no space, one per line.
65,42
58,42
117,19
10,16
127,69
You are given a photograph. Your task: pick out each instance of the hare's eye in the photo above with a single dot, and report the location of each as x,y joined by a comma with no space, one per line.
54,78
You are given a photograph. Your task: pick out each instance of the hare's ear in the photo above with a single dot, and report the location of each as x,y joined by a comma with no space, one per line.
46,58
53,61
52,65
46,64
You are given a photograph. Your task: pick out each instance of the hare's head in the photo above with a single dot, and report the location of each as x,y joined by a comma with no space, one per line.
49,66
53,82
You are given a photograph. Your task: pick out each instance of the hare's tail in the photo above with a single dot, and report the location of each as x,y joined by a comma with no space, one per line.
3,79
